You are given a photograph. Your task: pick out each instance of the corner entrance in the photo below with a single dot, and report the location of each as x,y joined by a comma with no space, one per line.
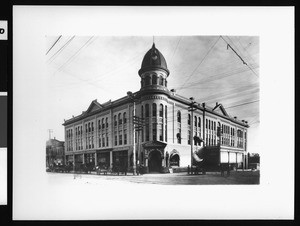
154,161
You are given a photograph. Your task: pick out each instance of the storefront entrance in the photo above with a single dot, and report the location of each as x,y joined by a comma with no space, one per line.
154,161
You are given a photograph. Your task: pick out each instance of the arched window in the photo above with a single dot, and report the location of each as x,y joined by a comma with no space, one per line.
115,120
199,122
147,80
166,112
189,119
124,117
119,119
102,123
154,79
160,80
178,116
142,111
147,110
161,110
154,113
89,127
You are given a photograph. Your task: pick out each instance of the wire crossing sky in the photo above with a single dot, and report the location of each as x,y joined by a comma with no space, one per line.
81,69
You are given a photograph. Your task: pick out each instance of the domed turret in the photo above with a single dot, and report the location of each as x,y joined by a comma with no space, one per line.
154,71
154,60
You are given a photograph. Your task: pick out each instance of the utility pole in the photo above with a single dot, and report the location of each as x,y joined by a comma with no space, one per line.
135,126
50,131
138,123
192,109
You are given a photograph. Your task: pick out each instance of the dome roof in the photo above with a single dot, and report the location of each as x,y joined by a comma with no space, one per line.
153,59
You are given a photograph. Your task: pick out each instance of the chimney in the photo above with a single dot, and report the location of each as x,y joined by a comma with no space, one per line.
235,117
217,103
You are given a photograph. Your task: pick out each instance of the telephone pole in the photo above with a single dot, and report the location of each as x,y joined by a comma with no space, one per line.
50,131
192,108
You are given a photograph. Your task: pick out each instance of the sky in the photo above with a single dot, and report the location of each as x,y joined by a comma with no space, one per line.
81,69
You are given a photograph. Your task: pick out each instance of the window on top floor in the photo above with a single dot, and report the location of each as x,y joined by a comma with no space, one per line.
115,120
147,80
154,112
195,121
161,82
147,110
161,110
124,118
178,116
189,119
119,119
166,113
154,79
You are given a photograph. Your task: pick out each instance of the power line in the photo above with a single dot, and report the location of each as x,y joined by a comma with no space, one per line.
74,55
53,44
242,104
200,62
175,49
228,45
59,51
218,77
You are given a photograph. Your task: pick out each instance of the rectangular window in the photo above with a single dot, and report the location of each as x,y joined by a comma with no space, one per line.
161,128
147,132
116,138
125,136
120,137
154,131
189,137
166,134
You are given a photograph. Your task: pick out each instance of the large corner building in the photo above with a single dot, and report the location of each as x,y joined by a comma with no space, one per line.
163,137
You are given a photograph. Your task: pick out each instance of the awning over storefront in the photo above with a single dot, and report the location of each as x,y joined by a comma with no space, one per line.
198,154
